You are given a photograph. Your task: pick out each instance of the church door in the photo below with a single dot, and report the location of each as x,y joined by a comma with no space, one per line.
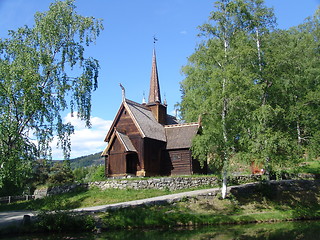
132,162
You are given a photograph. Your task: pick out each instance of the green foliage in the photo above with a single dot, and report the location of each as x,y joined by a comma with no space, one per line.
64,221
80,174
90,174
60,174
312,167
97,173
256,206
35,79
255,88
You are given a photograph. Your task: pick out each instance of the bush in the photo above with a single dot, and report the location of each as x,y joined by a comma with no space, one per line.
64,221
80,174
96,173
61,173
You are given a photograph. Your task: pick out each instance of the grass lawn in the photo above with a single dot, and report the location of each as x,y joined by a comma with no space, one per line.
310,167
83,198
254,208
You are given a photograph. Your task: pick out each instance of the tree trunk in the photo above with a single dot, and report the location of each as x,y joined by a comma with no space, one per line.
224,184
299,133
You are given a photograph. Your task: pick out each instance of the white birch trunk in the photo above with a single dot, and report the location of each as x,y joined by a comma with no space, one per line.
224,185
258,49
299,133
224,128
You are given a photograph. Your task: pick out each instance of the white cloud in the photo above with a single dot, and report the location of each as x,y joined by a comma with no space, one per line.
84,141
183,32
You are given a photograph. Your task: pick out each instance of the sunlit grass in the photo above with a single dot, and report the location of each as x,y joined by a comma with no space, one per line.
310,167
84,198
211,212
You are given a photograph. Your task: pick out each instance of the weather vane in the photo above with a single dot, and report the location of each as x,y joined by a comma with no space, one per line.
154,39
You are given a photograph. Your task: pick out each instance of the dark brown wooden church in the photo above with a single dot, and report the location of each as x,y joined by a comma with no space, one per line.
144,140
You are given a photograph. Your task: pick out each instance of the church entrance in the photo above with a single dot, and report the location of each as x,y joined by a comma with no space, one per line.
132,163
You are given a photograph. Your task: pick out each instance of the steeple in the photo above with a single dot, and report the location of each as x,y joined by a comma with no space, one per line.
154,94
158,109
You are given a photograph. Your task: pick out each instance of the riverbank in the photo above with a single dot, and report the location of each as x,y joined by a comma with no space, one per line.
250,203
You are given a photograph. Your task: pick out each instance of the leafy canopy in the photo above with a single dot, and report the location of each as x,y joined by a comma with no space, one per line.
256,88
44,71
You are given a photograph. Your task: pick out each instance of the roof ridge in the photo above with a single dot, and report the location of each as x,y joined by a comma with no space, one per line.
136,104
181,125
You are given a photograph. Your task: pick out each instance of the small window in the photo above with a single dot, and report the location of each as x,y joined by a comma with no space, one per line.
176,157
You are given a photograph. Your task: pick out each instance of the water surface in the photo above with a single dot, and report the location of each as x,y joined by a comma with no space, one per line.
307,230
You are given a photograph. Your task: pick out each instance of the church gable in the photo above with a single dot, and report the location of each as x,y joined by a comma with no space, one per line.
123,123
145,120
119,143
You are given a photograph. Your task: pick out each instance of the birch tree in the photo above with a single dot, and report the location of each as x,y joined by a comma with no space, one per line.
260,21
218,65
43,71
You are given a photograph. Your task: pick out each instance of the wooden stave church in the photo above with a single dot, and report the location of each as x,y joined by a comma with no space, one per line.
144,140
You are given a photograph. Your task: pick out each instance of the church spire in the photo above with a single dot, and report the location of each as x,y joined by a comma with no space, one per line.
154,94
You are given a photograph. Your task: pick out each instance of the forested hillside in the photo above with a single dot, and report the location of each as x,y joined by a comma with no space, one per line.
86,161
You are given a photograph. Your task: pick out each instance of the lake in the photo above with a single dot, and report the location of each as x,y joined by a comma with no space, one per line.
285,230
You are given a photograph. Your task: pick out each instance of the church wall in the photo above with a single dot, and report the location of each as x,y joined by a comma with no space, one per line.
153,156
159,112
116,159
180,161
126,125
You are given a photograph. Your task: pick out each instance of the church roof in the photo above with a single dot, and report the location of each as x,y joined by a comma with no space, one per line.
145,121
126,142
181,135
123,139
154,93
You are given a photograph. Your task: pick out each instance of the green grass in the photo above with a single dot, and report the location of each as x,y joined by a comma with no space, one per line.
216,211
88,198
310,167
83,198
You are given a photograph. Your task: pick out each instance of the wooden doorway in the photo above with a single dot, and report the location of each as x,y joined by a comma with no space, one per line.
132,163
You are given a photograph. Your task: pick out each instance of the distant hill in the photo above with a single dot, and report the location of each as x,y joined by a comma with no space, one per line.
86,161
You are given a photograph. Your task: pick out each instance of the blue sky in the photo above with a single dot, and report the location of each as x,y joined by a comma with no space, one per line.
124,49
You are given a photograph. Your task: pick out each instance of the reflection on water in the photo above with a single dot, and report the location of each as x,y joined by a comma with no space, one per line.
286,230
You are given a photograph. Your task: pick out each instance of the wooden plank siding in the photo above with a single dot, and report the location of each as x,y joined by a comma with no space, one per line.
181,162
153,156
126,125
116,159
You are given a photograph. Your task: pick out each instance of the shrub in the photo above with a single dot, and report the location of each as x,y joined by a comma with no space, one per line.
64,221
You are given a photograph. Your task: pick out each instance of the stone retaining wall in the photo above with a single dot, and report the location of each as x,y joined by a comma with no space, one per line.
169,183
277,189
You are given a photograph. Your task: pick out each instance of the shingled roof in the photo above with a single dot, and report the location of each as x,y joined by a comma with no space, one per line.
124,140
181,135
145,121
